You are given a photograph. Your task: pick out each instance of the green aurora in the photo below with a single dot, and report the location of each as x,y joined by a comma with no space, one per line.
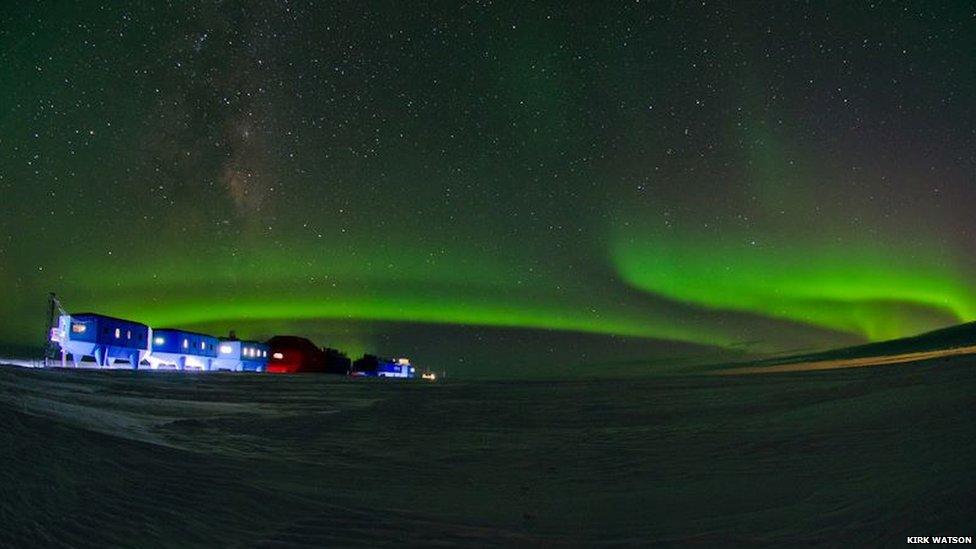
860,288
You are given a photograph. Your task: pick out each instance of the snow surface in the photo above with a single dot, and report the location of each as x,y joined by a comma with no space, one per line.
122,458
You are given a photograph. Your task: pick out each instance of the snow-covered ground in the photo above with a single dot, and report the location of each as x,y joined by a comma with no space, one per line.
23,363
122,458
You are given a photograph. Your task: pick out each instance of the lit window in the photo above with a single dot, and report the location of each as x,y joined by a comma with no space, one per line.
159,340
264,353
78,328
225,349
186,344
128,334
278,356
118,333
203,345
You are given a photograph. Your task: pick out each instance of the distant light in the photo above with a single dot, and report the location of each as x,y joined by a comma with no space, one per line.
186,344
118,333
159,340
264,353
203,345
78,328
278,356
225,349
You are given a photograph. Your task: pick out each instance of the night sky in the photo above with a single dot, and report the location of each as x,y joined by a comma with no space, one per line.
463,181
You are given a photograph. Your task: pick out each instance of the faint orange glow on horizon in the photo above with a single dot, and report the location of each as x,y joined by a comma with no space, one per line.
860,362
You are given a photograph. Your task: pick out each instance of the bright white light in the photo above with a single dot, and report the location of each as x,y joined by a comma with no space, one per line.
159,340
225,349
186,344
118,333
278,356
203,345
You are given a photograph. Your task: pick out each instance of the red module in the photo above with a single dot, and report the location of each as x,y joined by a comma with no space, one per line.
292,355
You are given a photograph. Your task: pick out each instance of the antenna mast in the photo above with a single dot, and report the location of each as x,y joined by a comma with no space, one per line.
55,310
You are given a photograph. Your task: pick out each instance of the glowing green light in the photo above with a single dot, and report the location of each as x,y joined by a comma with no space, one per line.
860,287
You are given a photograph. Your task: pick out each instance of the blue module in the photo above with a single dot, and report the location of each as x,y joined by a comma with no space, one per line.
104,338
254,356
182,350
398,367
236,356
374,366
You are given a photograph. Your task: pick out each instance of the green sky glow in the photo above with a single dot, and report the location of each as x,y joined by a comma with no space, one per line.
850,286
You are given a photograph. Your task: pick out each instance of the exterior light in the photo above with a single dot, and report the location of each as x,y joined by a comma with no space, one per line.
158,340
278,356
118,333
225,349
